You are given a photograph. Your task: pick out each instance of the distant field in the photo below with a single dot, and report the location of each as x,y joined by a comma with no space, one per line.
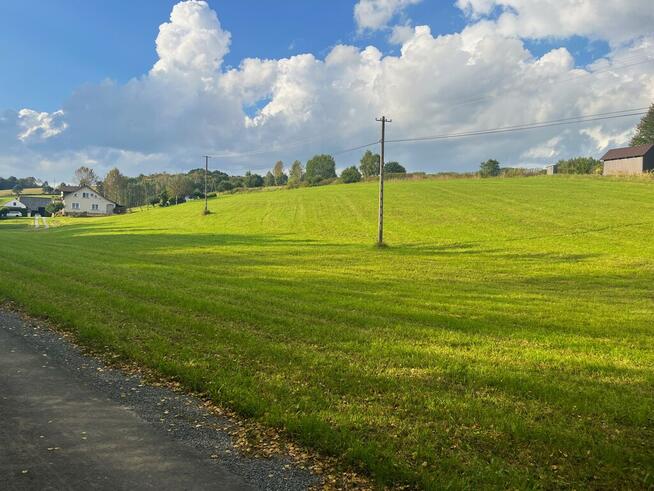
504,339
30,191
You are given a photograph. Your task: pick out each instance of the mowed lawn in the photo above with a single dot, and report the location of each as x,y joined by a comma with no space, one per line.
503,339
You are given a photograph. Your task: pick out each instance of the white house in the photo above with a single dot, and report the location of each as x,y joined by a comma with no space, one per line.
84,200
15,203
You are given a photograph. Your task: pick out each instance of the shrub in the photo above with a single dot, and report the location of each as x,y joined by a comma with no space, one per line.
351,174
224,186
579,165
394,168
54,207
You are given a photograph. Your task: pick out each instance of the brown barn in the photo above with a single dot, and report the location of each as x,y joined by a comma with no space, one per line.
629,160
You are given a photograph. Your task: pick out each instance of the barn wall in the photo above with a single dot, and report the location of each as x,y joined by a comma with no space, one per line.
649,161
619,167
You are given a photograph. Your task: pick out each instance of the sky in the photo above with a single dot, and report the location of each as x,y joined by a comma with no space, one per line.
154,85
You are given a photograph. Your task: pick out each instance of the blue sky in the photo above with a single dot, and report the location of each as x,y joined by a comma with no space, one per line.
83,84
48,48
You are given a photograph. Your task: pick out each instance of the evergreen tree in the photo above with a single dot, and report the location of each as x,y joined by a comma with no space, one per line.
490,168
645,129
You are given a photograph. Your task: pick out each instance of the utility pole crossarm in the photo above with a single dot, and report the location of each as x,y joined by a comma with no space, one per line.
380,231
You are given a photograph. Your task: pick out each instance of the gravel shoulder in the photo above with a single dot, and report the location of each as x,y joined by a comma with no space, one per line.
68,421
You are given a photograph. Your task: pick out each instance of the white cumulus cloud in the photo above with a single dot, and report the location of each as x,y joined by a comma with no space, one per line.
189,105
616,21
376,14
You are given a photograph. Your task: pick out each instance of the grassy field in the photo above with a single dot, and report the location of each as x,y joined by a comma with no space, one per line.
504,339
7,193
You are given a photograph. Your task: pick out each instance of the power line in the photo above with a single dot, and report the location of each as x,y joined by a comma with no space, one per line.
464,102
527,126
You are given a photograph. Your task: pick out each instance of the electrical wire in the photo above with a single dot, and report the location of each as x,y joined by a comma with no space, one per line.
526,126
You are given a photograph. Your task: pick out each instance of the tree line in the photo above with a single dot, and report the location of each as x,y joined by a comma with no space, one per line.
165,189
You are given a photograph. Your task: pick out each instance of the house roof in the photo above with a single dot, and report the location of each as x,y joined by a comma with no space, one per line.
627,152
69,189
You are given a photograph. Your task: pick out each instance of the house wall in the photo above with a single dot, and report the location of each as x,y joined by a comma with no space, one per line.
13,204
619,167
86,204
551,170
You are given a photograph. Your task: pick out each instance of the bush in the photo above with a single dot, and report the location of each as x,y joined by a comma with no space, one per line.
351,174
579,165
394,168
224,186
54,207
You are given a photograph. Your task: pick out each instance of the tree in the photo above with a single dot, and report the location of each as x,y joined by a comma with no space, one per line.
351,174
394,168
253,180
269,180
278,171
645,129
370,164
321,167
296,173
115,186
179,186
17,190
164,198
46,188
490,168
224,186
85,176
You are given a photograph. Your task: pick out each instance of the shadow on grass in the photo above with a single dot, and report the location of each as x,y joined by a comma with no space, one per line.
452,335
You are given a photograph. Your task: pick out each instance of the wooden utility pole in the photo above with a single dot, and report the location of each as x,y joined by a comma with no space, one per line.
380,234
206,172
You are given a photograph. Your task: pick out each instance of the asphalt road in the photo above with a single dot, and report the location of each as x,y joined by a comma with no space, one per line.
68,423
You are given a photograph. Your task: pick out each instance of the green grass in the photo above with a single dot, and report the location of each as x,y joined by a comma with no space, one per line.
504,339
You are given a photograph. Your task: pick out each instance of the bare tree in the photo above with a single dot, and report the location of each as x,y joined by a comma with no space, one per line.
179,186
85,176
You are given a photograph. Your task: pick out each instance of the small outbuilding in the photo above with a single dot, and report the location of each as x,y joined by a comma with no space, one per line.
36,205
551,169
629,160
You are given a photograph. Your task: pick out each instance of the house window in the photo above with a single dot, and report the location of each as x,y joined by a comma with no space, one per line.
85,195
75,206
95,207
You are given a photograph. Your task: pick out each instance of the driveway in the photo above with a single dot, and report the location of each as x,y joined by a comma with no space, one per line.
68,422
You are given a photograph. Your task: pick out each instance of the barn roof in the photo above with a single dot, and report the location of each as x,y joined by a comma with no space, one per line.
33,202
627,152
